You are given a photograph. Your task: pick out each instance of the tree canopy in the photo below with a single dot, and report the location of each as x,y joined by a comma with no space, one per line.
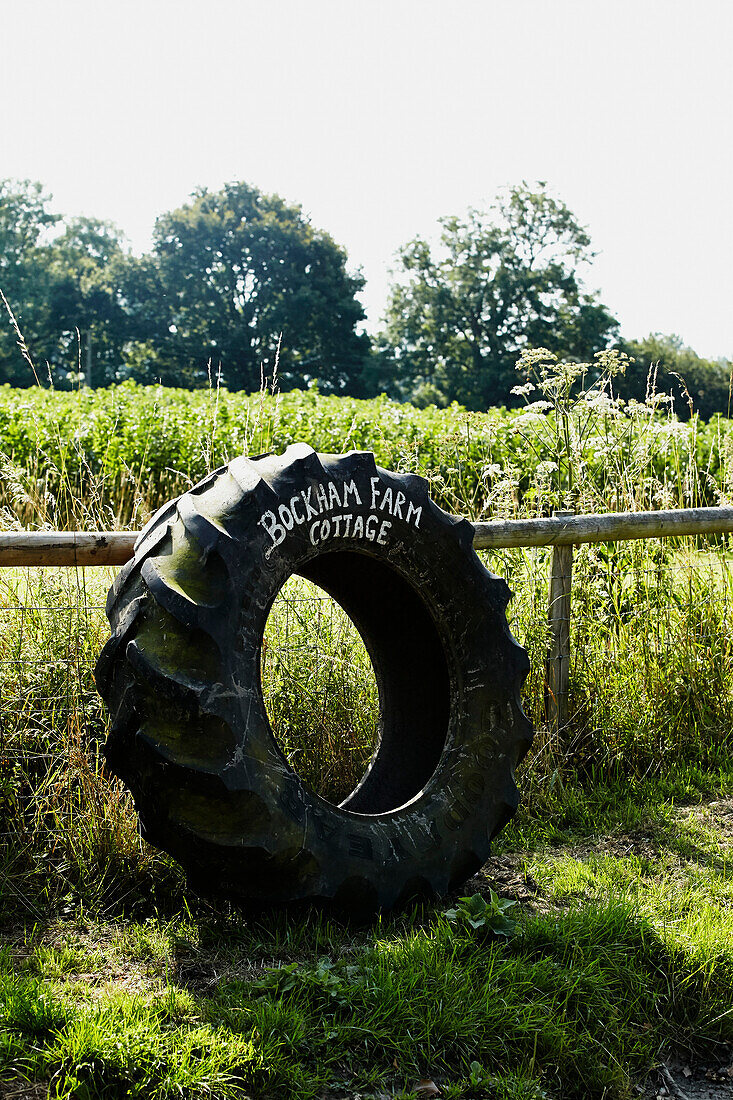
24,277
237,277
241,272
666,365
234,276
460,315
55,275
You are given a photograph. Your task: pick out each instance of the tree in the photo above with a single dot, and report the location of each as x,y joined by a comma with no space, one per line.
665,364
86,324
24,278
60,289
230,274
242,273
501,281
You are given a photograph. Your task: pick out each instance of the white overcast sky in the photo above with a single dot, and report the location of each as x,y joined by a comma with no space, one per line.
381,116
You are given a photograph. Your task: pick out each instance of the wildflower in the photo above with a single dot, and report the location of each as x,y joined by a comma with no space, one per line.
522,391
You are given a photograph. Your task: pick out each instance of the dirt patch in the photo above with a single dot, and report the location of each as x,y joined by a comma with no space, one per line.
18,1088
201,974
641,843
507,875
678,1081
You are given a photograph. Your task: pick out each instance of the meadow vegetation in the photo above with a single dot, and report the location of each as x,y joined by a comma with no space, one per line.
117,981
110,457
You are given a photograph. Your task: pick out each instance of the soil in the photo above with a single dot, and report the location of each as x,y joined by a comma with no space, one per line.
697,1082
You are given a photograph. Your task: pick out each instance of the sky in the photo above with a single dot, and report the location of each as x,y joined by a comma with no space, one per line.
380,117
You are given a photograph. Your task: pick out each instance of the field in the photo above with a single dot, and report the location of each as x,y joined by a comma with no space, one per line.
614,965
110,457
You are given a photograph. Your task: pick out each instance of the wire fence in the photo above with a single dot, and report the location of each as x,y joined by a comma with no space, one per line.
647,603
650,655
650,683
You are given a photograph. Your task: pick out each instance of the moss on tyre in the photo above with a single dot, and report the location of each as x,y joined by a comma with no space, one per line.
190,734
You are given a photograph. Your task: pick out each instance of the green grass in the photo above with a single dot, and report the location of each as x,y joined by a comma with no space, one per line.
624,954
320,689
116,981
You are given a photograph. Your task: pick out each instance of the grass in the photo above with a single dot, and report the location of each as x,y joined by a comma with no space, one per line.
116,981
624,954
320,689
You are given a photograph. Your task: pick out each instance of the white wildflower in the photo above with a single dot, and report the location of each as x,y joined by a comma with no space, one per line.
522,391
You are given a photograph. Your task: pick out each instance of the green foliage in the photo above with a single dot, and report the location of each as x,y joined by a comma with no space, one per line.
500,282
127,1048
243,275
117,982
488,915
652,669
111,457
571,413
326,982
205,1002
27,1006
319,688
582,1004
665,364
69,834
238,279
86,324
237,282
24,279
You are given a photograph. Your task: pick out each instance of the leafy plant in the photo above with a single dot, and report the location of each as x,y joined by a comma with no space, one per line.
486,915
325,980
111,457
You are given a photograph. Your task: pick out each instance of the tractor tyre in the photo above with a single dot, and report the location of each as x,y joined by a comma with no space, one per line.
190,735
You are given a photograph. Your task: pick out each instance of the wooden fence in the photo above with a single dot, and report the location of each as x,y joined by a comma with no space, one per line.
562,531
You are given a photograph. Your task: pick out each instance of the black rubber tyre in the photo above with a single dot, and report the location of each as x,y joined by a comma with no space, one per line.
190,734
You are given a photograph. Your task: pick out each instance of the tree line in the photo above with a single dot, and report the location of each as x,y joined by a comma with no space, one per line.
237,280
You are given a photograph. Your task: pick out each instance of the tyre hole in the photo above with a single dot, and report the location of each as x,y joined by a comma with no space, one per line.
319,688
395,684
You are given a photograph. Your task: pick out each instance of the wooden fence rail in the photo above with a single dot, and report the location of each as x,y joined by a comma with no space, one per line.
33,548
565,529
562,531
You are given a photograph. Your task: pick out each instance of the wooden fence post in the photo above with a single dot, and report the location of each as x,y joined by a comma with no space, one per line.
558,657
